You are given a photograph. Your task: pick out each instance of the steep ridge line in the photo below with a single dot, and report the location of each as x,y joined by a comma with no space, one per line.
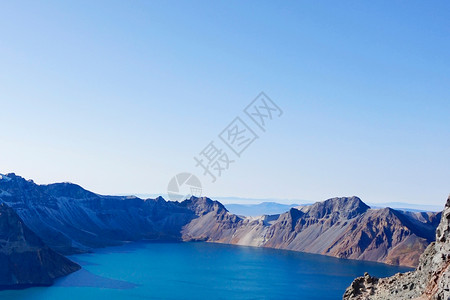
71,219
430,280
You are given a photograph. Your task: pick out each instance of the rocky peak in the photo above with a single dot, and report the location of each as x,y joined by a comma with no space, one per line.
431,279
12,179
67,189
19,185
203,205
160,199
345,207
443,230
4,178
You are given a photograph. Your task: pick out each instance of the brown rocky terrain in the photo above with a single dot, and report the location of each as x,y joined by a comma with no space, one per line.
24,259
431,279
340,227
70,219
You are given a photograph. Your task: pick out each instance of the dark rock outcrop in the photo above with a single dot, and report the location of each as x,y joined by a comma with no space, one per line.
431,279
24,259
71,219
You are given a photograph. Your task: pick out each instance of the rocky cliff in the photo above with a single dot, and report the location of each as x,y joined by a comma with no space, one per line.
24,259
70,219
431,279
341,227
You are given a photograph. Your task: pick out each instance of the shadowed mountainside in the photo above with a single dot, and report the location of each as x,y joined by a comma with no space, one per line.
70,219
24,259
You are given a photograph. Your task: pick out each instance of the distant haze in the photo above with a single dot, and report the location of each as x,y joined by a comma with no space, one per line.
257,207
119,96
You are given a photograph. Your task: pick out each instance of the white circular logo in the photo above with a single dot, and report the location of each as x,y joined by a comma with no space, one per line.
183,186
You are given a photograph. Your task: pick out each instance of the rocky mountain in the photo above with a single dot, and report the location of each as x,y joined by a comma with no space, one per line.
340,227
24,259
70,219
431,279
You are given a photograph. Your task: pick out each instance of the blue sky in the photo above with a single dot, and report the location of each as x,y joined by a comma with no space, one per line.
119,96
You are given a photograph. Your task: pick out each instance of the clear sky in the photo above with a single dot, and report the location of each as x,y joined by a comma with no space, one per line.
119,96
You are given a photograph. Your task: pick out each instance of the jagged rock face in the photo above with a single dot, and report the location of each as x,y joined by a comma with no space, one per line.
340,227
214,223
386,235
431,279
70,219
24,259
343,208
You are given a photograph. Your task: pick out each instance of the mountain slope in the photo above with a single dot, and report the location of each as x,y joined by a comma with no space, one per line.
431,279
24,259
340,227
70,219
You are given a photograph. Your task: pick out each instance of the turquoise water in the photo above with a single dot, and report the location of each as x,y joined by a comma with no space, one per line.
203,271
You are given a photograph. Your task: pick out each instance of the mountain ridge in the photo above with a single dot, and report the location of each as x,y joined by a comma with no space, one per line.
71,219
335,227
430,280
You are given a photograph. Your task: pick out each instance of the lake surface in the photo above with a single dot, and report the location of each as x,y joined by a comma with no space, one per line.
204,271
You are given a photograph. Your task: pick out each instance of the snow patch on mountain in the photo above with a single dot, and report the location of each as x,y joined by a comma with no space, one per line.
4,178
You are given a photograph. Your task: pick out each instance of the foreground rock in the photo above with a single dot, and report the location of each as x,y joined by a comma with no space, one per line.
24,259
431,279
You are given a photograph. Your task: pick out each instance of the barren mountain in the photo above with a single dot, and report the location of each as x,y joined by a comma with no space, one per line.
431,279
24,259
340,227
71,219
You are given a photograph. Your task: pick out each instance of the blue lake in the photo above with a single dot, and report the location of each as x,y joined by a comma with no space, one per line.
204,271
